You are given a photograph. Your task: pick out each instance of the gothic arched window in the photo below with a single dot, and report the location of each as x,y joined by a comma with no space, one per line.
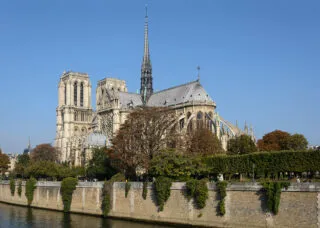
75,93
199,120
75,116
81,94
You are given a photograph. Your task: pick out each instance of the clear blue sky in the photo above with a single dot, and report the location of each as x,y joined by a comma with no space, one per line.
260,60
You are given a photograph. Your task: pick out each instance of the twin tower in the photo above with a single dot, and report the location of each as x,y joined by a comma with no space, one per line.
75,116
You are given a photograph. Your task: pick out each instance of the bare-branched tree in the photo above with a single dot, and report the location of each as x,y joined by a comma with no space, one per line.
145,132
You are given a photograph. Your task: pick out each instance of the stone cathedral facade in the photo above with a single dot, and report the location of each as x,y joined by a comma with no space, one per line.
80,128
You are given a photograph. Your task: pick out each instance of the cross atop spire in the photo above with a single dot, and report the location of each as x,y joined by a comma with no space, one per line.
198,68
146,88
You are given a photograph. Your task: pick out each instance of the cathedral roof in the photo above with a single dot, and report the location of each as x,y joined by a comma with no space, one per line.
189,92
129,100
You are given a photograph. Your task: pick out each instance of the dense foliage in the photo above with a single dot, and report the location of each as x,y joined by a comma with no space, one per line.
280,140
162,191
198,190
273,193
4,162
222,191
44,152
145,132
298,142
68,185
30,187
127,188
265,162
242,144
22,163
145,190
204,142
12,186
99,166
20,188
106,199
174,165
48,169
106,193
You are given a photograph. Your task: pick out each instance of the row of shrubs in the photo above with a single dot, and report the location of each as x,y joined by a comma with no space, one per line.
195,189
264,162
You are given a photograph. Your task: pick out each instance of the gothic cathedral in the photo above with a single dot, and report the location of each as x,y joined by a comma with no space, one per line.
80,128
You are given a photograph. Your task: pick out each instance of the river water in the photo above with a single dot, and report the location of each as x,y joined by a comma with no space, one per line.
23,217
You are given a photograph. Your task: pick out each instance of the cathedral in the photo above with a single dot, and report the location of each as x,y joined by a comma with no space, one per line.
80,128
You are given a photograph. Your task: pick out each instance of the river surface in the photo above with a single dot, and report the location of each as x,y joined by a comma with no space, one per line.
23,217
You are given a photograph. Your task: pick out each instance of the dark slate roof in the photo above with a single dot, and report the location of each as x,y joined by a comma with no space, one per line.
192,91
128,100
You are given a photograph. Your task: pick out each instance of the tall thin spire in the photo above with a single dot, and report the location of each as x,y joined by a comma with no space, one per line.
146,88
146,55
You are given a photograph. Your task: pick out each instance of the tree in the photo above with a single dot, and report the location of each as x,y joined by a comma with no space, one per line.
274,141
99,166
145,132
172,164
242,144
22,163
44,152
4,162
298,142
203,142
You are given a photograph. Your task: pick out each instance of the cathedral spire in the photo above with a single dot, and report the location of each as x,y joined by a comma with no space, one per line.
146,88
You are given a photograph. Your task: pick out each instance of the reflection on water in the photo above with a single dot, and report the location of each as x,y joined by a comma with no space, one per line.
22,217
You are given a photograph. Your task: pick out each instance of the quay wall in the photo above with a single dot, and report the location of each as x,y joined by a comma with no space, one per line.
245,204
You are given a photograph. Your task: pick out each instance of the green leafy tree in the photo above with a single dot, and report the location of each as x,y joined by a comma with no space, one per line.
274,141
203,142
44,152
100,165
51,170
22,163
298,142
242,144
4,162
172,164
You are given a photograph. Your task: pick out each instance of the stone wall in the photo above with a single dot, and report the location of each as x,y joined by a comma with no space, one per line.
245,205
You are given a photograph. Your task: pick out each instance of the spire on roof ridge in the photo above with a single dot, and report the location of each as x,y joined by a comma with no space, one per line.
146,88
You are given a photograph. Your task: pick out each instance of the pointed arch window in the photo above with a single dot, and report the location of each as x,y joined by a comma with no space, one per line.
81,94
75,93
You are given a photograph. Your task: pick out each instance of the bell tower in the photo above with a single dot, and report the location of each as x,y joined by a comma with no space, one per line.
74,115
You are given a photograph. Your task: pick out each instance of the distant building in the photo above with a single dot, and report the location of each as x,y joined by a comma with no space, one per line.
12,158
80,128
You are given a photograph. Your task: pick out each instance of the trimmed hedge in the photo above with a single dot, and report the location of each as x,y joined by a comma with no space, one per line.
265,162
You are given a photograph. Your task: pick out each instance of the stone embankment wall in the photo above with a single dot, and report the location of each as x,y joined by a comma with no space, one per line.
245,205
